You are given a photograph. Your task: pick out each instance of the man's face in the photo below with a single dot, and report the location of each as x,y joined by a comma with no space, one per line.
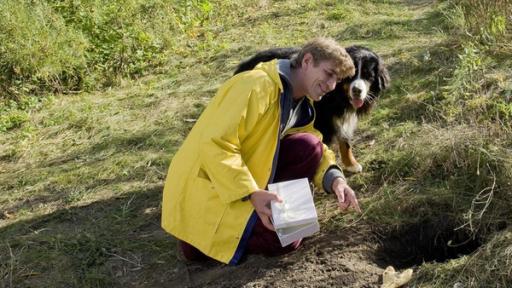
319,79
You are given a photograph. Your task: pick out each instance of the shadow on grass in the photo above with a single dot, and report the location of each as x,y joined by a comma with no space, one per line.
113,243
117,242
107,242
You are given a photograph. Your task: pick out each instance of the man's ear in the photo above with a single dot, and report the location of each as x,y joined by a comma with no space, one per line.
307,60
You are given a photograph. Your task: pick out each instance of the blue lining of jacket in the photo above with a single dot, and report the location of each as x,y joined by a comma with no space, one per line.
242,245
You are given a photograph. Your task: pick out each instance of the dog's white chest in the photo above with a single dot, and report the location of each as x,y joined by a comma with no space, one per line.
346,125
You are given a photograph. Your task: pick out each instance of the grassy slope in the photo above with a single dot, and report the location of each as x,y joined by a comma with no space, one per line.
82,180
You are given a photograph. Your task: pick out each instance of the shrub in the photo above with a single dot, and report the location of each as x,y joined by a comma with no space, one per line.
38,51
63,46
486,19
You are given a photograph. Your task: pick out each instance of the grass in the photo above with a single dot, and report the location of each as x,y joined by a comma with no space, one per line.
82,173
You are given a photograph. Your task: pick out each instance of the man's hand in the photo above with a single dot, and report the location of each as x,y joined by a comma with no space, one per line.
346,196
260,199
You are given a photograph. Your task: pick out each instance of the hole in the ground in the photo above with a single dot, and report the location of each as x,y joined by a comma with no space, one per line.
424,242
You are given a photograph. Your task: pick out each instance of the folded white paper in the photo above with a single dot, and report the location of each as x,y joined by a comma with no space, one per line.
291,234
295,217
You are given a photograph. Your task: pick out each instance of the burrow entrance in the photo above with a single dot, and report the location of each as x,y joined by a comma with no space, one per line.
424,242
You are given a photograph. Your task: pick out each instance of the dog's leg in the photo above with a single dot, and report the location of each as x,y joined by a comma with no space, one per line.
345,127
347,158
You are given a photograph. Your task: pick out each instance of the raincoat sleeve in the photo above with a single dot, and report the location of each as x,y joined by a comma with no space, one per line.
328,160
232,114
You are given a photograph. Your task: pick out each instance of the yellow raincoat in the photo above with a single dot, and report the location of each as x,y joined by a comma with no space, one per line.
227,155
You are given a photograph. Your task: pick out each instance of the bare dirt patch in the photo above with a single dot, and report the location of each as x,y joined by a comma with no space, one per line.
342,258
350,257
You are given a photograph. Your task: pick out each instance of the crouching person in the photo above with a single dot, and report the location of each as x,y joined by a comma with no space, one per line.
258,129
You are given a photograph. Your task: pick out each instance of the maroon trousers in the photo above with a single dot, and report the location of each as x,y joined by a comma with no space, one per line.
299,157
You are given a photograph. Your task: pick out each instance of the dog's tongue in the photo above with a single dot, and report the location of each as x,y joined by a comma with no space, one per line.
357,102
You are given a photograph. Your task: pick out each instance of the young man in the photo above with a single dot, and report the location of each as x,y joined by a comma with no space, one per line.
258,129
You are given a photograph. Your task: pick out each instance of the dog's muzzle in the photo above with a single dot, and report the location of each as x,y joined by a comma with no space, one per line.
358,89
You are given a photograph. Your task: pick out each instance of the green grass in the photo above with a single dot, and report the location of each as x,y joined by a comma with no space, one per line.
82,173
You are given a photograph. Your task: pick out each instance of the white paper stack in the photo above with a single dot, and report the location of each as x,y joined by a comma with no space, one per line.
295,217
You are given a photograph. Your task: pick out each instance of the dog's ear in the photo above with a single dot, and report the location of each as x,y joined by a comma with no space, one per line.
382,74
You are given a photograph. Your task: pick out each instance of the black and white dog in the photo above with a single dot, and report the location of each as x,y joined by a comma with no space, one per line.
338,111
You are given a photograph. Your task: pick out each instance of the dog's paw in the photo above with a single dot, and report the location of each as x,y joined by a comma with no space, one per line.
357,168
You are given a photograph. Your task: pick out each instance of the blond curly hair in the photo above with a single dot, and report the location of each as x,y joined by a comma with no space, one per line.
326,49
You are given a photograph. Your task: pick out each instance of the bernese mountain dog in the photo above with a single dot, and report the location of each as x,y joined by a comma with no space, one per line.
338,111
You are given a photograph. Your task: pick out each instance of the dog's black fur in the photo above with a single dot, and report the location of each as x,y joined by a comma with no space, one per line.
336,116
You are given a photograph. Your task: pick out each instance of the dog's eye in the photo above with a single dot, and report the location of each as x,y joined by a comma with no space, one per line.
367,74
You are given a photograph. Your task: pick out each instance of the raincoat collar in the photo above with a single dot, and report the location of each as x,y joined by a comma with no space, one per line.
272,71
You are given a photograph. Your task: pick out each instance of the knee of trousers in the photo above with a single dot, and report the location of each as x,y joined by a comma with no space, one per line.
301,147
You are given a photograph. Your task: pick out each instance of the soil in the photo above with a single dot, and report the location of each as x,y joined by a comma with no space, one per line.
343,258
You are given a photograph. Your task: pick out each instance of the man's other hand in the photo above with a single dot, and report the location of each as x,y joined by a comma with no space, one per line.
346,196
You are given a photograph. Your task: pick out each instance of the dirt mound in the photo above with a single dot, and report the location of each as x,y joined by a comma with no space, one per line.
333,259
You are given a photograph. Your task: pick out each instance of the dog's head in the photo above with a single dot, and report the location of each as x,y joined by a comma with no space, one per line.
370,79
